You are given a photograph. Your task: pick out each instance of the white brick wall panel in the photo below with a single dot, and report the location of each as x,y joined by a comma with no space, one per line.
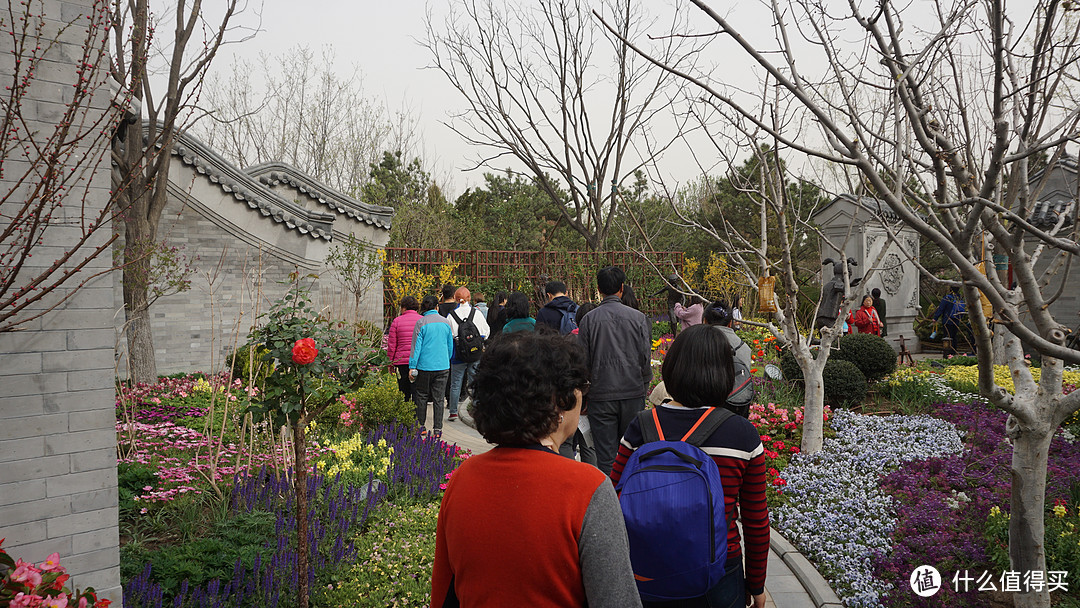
34,426
79,441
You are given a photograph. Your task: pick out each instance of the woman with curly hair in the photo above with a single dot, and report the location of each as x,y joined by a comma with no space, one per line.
521,525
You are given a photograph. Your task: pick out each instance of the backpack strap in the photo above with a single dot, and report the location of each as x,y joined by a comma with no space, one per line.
707,425
453,313
650,426
472,311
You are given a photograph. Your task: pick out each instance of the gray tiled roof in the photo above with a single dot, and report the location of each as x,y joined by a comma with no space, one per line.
255,193
274,173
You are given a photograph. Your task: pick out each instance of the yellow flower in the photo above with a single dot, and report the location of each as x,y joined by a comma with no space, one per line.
995,511
1059,510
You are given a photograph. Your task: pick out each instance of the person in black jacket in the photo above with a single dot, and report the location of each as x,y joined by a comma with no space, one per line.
558,305
618,350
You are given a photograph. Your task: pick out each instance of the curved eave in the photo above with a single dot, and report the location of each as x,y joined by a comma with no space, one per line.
245,189
273,173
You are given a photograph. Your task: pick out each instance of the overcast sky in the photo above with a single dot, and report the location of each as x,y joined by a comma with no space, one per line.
382,39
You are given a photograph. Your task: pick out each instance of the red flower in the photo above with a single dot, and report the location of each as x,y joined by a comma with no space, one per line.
765,439
772,454
779,482
795,449
778,445
773,472
304,351
760,353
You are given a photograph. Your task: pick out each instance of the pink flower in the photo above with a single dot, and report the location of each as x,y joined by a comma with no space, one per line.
52,563
21,600
59,601
27,574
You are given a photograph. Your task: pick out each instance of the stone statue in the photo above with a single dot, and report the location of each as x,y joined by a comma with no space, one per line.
833,292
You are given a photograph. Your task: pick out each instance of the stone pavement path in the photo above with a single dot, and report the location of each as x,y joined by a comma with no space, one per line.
784,589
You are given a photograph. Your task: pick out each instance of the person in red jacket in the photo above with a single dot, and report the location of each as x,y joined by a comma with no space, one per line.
399,341
698,373
866,319
521,525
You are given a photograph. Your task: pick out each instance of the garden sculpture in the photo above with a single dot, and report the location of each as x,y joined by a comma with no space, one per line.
832,293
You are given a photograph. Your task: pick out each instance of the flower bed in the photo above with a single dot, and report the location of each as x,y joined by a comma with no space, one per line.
834,510
952,512
205,521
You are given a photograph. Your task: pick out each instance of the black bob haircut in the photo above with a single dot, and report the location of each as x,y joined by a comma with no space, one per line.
699,369
717,313
610,280
410,303
429,302
517,306
524,382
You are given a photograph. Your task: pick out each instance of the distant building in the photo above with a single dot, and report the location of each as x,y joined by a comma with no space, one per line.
250,228
855,224
1051,208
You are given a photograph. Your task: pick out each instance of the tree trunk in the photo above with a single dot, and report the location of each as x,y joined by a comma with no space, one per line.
142,365
1031,446
813,409
300,486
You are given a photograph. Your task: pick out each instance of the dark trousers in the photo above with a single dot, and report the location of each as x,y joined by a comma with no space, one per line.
588,453
730,592
403,383
609,420
430,386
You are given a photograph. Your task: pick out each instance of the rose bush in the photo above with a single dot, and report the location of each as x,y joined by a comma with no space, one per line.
304,351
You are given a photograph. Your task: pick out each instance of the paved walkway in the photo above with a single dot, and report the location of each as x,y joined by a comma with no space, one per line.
791,581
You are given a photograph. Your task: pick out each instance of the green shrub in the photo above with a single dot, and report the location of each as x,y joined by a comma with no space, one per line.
201,560
961,360
381,402
871,354
790,366
241,364
396,555
845,384
368,334
131,478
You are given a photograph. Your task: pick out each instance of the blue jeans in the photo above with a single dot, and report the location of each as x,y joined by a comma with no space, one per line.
460,373
730,592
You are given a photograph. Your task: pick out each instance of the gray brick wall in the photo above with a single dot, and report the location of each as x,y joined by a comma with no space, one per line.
243,258
57,437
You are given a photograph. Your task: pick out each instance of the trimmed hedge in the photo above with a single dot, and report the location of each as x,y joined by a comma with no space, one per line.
871,354
845,384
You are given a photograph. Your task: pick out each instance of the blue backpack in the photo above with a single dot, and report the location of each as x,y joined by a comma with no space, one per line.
568,322
672,499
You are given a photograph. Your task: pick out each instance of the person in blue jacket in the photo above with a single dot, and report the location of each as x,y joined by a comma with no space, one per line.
950,312
429,363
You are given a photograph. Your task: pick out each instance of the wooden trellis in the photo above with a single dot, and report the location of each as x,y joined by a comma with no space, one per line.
576,268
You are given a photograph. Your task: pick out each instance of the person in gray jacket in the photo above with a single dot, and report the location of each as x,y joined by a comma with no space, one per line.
719,314
618,350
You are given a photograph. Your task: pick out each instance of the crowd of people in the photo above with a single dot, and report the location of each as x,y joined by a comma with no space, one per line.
548,517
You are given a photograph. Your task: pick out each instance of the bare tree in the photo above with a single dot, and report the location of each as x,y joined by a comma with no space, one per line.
140,181
955,101
295,108
550,89
49,154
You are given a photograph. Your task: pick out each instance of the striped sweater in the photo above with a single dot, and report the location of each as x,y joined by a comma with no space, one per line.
736,448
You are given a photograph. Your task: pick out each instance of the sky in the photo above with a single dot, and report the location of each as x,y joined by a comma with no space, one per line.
383,41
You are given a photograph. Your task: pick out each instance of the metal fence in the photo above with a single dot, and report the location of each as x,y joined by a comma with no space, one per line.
528,271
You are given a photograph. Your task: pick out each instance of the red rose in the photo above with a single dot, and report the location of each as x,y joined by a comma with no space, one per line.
304,351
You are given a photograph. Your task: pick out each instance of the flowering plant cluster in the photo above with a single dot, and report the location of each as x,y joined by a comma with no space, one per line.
42,586
355,458
780,428
835,511
966,377
951,511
